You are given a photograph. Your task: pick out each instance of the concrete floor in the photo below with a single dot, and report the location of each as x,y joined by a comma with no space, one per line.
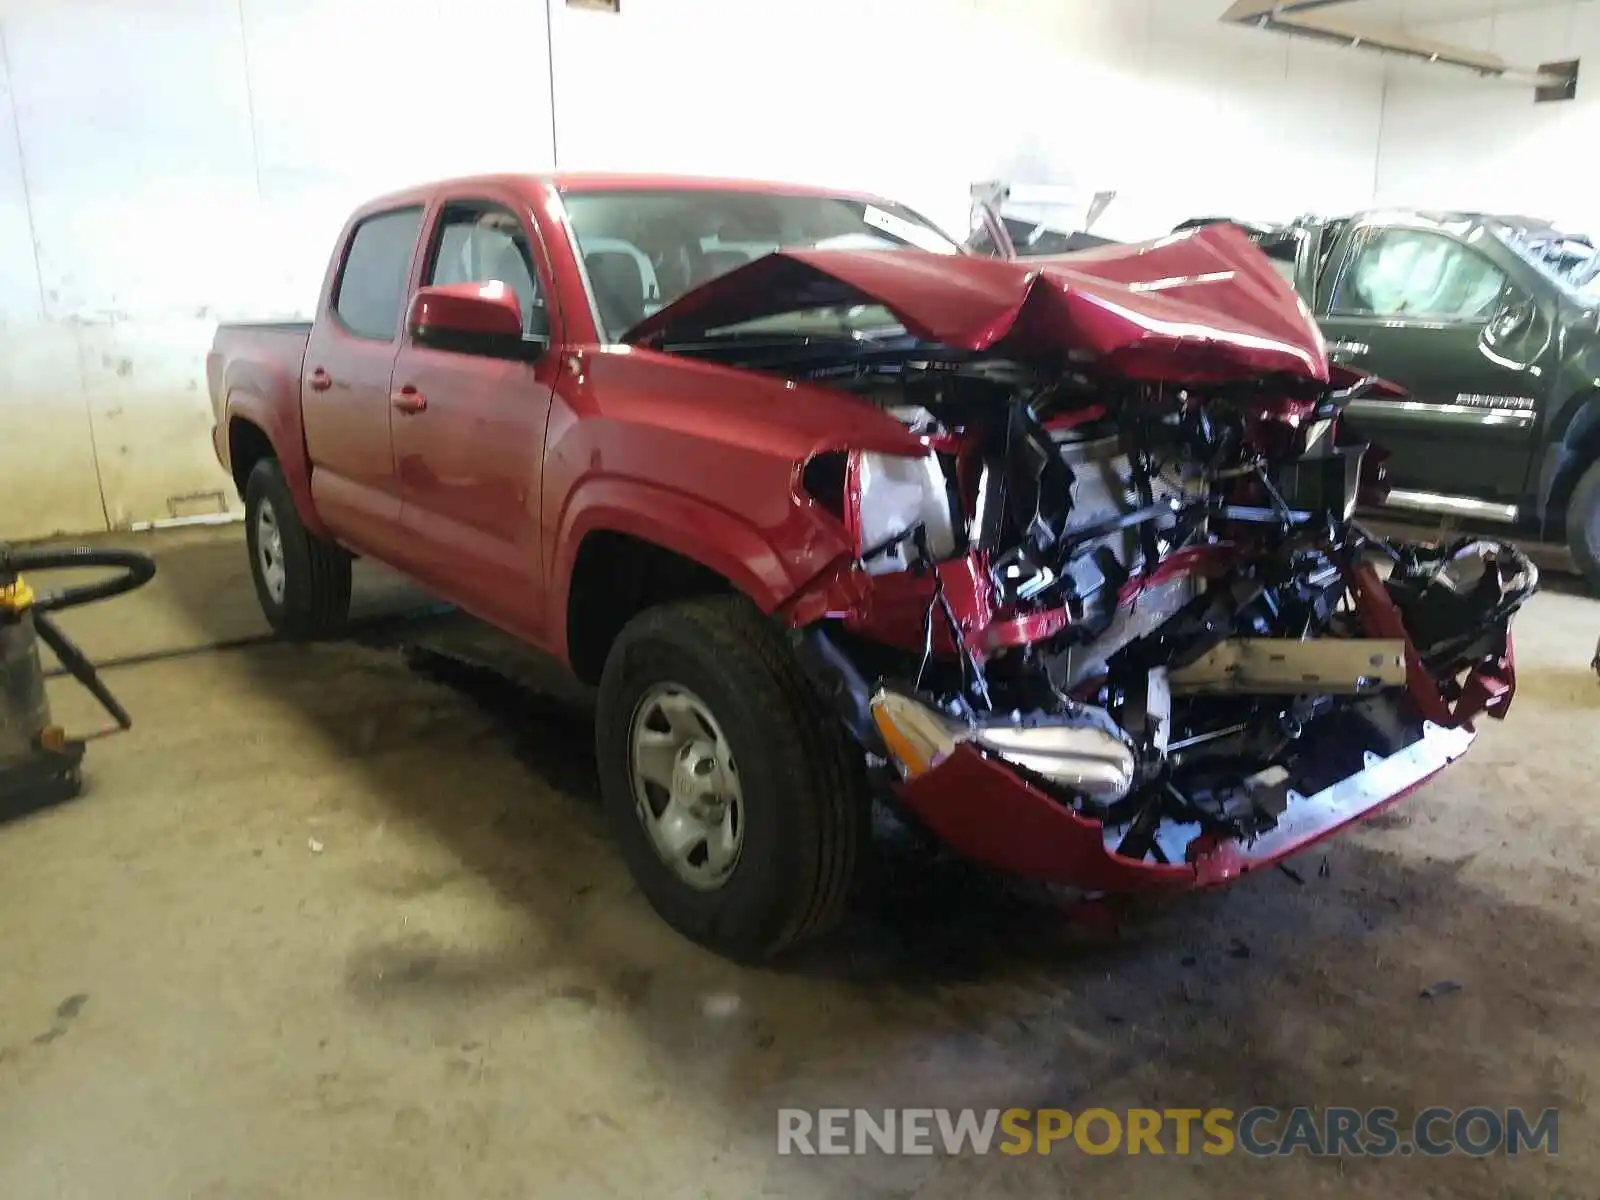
326,925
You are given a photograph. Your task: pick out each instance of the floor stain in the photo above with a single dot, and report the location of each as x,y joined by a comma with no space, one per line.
66,1013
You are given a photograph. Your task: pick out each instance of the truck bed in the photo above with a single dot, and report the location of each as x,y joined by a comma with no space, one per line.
301,327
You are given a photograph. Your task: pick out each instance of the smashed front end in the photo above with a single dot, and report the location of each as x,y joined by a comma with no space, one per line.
1117,628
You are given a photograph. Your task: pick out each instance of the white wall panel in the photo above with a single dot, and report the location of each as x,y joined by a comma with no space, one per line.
20,297
356,98
135,131
833,92
48,480
145,385
917,98
1179,114
187,161
1452,141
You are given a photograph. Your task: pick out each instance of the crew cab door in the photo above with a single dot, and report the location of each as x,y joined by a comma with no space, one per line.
469,426
1440,316
344,387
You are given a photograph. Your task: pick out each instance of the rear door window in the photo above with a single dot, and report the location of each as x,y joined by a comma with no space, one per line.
372,285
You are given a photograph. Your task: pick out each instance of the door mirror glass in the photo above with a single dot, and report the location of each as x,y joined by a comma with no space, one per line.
469,318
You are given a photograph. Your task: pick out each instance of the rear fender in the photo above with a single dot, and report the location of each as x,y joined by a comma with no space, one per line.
284,429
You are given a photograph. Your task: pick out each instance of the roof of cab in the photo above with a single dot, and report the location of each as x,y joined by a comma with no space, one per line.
604,181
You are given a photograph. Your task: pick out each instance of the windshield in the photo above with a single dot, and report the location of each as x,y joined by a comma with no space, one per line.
1568,262
641,250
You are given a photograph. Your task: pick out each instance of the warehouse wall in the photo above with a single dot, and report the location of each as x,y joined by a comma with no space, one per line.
1454,141
165,164
168,163
1151,97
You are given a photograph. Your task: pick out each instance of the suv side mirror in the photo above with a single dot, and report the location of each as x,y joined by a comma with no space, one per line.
1514,317
469,318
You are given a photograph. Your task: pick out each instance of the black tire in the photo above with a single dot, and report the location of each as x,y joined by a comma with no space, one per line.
806,811
1583,525
315,587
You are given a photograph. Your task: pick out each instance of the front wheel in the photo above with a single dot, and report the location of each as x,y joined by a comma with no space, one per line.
1583,525
302,581
735,795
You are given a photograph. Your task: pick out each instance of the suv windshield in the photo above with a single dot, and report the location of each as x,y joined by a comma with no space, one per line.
1569,262
642,249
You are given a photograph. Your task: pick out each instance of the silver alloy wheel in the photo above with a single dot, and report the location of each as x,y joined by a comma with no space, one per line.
686,786
269,552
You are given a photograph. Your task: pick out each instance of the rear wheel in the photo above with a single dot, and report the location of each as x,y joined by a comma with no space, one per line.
302,581
1583,525
735,795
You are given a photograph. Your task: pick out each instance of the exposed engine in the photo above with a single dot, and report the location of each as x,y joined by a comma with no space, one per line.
1141,600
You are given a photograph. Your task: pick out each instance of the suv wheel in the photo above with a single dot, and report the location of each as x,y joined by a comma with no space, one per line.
736,797
302,581
1583,525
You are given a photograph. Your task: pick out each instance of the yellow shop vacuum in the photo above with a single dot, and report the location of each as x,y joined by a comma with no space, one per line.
39,764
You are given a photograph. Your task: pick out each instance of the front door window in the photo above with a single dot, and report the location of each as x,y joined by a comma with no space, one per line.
1416,274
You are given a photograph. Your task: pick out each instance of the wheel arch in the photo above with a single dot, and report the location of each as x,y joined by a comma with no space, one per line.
258,427
1566,458
626,545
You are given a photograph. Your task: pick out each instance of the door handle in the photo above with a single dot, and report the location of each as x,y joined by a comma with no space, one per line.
320,380
408,399
1340,351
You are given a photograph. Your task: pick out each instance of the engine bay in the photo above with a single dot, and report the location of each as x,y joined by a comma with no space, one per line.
1153,604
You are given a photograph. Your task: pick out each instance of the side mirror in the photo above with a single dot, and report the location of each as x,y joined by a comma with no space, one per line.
1514,318
470,318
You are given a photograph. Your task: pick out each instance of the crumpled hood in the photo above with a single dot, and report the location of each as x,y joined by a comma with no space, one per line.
1204,306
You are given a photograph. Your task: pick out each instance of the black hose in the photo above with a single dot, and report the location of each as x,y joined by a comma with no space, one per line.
81,669
134,571
368,630
140,658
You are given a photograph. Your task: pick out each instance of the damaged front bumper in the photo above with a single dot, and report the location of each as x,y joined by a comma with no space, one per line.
984,808
1010,795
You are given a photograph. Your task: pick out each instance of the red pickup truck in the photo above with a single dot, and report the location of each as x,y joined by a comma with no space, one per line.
1057,557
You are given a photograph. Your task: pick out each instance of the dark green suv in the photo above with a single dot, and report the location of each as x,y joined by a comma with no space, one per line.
1491,324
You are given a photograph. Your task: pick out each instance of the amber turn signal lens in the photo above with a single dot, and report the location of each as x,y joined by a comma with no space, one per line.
918,739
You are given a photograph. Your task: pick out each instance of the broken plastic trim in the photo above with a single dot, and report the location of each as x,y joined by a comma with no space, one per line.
1381,780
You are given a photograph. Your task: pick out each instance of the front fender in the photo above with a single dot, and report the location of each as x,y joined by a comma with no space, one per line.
768,565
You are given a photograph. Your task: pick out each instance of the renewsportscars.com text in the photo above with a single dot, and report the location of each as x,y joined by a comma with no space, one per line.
1260,1132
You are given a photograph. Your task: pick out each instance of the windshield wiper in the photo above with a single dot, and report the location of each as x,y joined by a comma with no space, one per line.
802,351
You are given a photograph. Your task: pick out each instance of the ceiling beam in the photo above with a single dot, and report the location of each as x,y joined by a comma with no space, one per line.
1312,19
